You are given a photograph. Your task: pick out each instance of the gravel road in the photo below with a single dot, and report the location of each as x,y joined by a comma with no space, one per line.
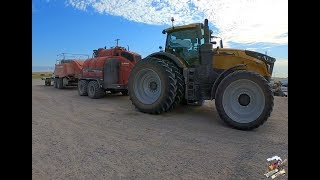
75,137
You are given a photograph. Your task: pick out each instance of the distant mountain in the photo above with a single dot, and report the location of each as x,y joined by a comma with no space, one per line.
42,68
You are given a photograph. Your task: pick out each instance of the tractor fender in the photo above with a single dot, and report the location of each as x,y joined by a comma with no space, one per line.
222,75
167,56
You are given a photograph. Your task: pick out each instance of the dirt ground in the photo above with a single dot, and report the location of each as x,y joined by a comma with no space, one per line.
75,137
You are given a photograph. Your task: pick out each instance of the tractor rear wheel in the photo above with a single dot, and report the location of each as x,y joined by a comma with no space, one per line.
152,86
244,100
59,83
83,87
94,91
180,85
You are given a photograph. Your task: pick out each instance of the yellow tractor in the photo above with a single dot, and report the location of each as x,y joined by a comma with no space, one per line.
190,70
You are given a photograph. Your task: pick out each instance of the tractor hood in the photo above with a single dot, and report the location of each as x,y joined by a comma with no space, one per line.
260,56
265,58
269,61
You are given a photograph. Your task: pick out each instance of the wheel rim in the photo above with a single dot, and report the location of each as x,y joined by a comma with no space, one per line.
147,86
243,101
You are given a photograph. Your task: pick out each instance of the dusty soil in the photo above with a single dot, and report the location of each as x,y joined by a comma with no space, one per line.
75,137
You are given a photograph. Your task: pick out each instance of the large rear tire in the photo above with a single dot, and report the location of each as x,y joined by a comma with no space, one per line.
244,100
83,87
152,86
94,91
180,84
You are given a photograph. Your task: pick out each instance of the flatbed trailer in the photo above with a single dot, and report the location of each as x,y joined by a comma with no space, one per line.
48,81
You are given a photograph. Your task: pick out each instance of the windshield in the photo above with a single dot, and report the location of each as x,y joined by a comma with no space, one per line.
184,39
185,44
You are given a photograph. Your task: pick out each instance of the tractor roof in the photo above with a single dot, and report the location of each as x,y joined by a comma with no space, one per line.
194,25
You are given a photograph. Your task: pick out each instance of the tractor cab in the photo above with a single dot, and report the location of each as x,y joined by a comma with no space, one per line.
184,42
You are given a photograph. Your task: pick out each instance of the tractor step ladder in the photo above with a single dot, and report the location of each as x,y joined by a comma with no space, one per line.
191,86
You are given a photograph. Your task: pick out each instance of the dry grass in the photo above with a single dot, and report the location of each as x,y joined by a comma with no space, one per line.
37,75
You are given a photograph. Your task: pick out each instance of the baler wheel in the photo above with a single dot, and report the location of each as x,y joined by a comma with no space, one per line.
94,91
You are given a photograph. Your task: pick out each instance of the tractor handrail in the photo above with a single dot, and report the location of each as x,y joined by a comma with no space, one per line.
63,55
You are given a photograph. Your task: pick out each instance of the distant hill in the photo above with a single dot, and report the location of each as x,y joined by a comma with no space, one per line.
279,78
42,68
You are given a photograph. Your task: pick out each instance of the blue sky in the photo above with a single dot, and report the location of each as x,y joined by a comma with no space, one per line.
79,26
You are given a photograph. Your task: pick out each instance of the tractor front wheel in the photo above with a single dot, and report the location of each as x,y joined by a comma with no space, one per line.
244,100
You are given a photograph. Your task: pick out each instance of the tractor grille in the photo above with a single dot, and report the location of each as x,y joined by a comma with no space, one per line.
267,59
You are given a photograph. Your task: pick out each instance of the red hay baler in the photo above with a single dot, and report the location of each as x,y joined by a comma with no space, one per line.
108,70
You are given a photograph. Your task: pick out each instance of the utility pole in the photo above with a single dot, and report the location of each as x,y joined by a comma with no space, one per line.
117,41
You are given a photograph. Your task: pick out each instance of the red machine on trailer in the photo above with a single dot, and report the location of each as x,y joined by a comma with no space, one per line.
67,70
108,70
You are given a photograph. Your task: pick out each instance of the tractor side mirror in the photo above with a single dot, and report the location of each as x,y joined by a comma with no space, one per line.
163,31
221,44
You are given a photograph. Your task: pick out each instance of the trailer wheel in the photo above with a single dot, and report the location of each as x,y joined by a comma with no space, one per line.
55,83
94,91
47,82
83,88
60,83
244,100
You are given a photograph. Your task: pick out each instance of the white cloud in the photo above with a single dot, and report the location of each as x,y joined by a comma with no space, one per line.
252,49
241,21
